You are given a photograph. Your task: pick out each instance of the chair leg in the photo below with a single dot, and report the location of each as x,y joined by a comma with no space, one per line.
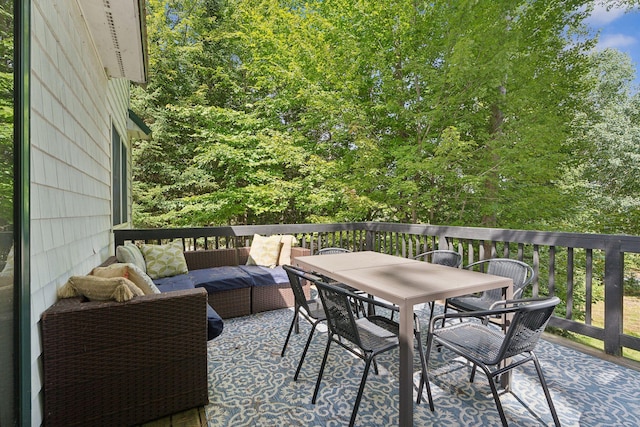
496,396
446,305
360,310
286,341
297,319
356,405
424,377
432,305
304,352
473,373
324,361
552,408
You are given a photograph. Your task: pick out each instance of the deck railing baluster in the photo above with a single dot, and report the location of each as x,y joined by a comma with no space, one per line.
570,283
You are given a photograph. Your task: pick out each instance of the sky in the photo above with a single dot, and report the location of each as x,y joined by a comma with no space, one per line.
619,30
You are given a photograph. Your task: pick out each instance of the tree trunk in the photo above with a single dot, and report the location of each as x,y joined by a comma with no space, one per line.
490,219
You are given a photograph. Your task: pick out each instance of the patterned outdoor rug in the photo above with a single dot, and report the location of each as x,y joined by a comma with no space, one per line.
251,385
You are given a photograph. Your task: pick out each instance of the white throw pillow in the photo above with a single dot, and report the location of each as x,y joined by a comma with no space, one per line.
130,253
287,241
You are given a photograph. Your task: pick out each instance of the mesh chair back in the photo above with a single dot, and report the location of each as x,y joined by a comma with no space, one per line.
330,251
296,277
337,307
441,257
528,324
520,272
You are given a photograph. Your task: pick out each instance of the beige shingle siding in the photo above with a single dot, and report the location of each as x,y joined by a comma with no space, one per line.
73,105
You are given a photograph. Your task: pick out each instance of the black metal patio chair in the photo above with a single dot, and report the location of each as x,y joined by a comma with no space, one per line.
440,257
492,350
332,250
310,310
520,272
368,336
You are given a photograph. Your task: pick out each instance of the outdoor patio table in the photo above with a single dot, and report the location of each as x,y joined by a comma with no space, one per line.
404,282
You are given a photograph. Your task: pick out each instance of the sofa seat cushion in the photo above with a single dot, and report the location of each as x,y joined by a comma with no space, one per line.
265,276
212,279
215,324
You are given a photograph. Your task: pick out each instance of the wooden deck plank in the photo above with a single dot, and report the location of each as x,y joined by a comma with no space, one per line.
195,417
191,418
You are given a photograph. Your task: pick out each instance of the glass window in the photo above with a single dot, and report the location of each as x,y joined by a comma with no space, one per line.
120,195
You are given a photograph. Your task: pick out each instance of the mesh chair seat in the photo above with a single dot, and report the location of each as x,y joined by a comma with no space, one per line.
315,309
471,303
475,339
377,333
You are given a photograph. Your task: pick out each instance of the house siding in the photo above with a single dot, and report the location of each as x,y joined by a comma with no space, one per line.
73,107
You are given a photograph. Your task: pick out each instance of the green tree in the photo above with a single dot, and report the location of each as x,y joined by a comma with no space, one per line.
607,178
6,112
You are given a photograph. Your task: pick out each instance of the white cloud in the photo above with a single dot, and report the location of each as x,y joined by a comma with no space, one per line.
617,41
601,16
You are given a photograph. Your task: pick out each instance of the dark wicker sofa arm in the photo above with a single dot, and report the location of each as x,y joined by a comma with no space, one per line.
110,363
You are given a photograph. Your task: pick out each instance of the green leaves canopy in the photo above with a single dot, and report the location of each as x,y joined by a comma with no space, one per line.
267,111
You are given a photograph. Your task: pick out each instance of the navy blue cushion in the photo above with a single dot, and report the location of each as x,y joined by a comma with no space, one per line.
174,283
215,325
220,279
265,276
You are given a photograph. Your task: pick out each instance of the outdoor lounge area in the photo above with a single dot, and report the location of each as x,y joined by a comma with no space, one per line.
90,99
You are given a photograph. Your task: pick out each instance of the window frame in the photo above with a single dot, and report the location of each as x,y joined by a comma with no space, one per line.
119,180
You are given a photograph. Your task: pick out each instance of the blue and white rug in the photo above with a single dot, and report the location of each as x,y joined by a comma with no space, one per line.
251,385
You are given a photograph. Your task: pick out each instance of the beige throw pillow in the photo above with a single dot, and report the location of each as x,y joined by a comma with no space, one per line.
287,241
100,288
131,272
164,260
264,251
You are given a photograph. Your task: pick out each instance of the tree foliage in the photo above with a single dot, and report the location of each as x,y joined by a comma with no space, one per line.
6,113
461,113
607,177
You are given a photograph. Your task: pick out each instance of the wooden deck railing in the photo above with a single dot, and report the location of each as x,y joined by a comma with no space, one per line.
580,268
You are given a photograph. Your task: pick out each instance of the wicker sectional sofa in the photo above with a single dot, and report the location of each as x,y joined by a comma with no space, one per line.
110,363
234,288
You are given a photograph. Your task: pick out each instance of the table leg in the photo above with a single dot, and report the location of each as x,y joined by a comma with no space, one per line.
406,365
505,379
